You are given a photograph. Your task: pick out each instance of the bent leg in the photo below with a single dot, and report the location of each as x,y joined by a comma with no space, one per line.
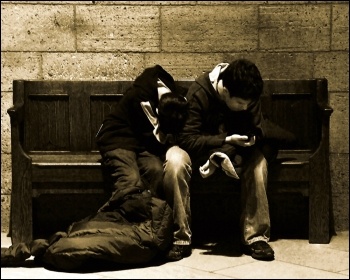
151,171
122,167
177,175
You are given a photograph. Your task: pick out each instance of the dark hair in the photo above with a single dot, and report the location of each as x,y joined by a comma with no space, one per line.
172,113
242,79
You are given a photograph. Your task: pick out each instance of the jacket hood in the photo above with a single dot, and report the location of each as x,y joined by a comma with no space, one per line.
209,80
147,80
215,73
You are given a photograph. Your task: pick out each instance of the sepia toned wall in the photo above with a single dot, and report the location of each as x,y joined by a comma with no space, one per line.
116,40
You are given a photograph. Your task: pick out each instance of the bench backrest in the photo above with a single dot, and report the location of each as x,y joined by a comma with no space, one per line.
66,115
294,105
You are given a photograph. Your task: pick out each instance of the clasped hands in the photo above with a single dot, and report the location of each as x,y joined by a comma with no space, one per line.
241,140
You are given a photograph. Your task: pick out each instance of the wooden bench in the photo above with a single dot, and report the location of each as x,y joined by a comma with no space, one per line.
54,123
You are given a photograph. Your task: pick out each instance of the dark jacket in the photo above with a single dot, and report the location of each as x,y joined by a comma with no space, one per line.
128,127
210,120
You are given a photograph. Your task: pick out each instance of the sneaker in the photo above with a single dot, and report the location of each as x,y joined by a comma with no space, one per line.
179,252
260,250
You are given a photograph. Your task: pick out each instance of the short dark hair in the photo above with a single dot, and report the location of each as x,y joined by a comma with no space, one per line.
172,113
242,79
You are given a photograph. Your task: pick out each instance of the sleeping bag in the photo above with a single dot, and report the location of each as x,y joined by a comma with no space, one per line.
134,231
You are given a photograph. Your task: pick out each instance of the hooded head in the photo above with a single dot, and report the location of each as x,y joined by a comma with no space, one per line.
169,101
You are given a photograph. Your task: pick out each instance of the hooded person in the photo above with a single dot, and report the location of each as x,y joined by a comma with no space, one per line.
148,212
138,145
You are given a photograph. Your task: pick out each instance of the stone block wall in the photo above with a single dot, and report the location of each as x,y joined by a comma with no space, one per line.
114,40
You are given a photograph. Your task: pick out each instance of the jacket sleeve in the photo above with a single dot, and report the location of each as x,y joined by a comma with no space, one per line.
193,138
257,119
269,131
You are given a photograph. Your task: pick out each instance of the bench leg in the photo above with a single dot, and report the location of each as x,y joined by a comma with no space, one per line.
319,201
21,203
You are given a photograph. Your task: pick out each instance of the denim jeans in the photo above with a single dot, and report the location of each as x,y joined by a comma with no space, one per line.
255,216
167,178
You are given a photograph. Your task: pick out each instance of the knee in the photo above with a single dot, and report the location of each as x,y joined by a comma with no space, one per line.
260,168
256,165
177,160
262,163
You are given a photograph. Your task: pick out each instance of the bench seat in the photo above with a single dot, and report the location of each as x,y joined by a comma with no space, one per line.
67,167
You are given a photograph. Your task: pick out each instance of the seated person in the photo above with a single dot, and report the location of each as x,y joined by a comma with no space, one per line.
225,130
138,144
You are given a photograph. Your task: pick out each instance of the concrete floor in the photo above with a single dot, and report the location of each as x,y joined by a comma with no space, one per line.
294,259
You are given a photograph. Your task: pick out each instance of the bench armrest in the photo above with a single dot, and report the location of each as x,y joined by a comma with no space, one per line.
325,110
16,113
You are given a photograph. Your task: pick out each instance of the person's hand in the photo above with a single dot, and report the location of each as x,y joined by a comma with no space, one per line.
240,140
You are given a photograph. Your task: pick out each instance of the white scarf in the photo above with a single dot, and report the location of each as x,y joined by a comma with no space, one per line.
214,74
152,117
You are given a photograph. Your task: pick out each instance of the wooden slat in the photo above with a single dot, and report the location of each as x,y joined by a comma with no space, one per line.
46,116
292,105
55,191
47,158
64,167
67,173
79,118
289,86
293,156
101,106
298,172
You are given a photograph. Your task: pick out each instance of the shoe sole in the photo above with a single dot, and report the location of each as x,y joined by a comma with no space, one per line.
256,256
180,258
263,257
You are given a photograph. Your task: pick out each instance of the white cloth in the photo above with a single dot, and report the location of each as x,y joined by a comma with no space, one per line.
214,74
152,117
161,137
212,163
162,88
